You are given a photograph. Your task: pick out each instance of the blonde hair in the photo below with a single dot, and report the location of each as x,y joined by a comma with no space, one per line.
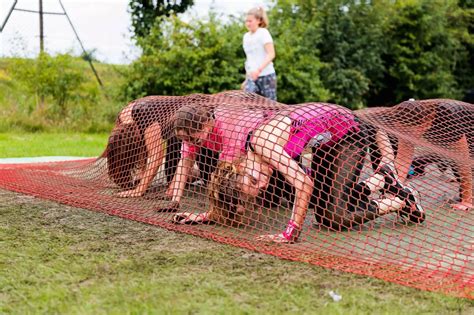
260,14
227,201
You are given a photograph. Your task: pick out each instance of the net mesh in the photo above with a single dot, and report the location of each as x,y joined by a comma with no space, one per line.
384,192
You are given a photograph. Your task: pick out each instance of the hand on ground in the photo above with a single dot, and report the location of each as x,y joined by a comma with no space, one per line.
276,238
131,193
463,206
190,218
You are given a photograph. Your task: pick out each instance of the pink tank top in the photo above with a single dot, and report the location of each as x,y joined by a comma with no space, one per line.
318,122
309,121
231,127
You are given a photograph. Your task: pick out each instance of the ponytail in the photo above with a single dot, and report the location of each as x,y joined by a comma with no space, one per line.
260,14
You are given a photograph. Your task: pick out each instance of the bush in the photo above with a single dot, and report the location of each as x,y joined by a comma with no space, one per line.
56,92
182,58
297,62
426,50
59,78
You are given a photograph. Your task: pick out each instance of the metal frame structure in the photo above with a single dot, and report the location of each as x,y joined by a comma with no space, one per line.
41,28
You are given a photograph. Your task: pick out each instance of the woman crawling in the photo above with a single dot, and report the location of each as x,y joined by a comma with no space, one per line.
144,134
444,123
276,143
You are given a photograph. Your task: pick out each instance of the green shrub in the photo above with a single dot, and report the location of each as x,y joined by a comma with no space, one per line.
60,92
181,58
426,50
58,78
297,62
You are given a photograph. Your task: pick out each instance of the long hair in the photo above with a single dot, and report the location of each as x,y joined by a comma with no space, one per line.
227,201
126,152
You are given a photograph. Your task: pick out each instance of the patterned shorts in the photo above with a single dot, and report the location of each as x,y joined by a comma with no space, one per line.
265,86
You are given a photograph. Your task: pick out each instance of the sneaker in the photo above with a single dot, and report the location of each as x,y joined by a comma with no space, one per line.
198,182
392,181
412,209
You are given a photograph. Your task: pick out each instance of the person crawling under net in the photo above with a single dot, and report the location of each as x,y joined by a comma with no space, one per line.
143,135
445,124
141,138
276,143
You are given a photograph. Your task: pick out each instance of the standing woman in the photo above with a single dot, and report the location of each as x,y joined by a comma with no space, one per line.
260,52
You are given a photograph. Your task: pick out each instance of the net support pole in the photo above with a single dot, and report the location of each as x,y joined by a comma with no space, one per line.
41,35
82,46
8,16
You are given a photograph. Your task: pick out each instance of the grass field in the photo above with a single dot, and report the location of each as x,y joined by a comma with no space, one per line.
51,144
60,259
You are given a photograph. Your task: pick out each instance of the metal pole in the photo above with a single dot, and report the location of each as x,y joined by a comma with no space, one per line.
41,104
8,15
41,26
82,46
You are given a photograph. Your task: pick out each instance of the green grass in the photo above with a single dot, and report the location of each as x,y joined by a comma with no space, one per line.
51,144
60,259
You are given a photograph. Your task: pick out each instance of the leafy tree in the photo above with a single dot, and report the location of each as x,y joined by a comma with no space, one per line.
297,62
465,67
351,47
425,50
351,52
181,58
145,12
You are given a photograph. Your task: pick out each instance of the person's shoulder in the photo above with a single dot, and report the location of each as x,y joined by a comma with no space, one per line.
264,35
263,31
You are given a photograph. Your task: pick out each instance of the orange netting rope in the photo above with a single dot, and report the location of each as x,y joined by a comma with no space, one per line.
385,192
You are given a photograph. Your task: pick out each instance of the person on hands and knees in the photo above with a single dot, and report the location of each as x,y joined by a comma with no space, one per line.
277,145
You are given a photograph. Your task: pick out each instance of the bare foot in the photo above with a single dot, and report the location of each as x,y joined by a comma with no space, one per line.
463,206
131,193
275,238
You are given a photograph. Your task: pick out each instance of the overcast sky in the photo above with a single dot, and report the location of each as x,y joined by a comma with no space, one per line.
101,24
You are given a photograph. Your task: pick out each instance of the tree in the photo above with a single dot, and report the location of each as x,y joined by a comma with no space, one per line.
297,62
425,51
145,12
329,49
181,58
465,67
351,48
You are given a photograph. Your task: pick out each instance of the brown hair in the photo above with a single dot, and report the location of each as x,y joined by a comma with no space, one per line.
126,151
260,14
227,201
191,118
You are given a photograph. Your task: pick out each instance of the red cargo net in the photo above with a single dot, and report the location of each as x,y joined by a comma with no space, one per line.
384,192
